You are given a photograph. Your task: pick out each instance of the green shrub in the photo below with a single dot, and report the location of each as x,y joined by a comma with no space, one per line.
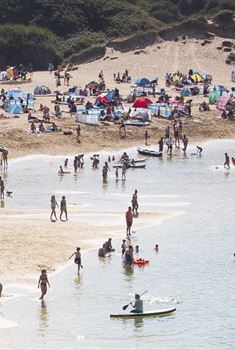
24,44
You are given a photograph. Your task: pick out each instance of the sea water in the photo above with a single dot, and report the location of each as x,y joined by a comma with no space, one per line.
193,270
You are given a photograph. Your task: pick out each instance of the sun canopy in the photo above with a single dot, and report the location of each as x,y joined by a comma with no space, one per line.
142,102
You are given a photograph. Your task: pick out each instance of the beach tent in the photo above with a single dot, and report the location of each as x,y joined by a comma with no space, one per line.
142,82
142,102
143,115
92,85
197,77
186,92
42,90
15,108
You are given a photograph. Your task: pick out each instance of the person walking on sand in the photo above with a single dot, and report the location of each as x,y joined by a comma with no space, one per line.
63,208
146,136
78,131
42,283
227,161
54,204
129,221
77,259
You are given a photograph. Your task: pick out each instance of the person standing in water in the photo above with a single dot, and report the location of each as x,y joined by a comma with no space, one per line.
185,142
1,288
199,151
129,220
77,259
66,163
2,188
54,204
227,161
161,144
135,204
43,282
63,208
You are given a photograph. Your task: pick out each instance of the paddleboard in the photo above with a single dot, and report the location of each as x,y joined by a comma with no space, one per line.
64,173
153,313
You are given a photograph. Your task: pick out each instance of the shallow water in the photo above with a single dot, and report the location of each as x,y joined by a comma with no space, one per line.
193,270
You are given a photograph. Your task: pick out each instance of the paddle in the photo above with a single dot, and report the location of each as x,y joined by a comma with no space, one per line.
126,306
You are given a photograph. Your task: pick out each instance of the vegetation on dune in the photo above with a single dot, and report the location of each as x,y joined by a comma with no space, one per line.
74,25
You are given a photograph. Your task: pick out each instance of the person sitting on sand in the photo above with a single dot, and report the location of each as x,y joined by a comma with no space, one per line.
41,127
63,208
43,282
54,204
33,128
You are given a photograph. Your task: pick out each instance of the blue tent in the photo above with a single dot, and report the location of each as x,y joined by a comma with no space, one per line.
142,82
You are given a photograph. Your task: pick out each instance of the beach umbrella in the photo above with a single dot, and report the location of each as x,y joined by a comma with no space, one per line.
142,102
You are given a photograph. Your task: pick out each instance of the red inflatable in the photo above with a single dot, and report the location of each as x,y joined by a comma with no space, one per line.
140,262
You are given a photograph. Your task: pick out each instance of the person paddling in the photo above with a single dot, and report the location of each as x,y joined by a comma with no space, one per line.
77,259
138,305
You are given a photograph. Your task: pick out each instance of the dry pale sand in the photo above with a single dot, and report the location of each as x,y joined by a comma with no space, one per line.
27,243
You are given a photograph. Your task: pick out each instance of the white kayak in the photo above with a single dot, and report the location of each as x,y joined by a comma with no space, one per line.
151,313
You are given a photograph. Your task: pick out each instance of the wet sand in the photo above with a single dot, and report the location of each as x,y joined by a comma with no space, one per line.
29,244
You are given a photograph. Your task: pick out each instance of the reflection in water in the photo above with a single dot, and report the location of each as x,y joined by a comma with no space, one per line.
2,204
138,323
43,317
128,271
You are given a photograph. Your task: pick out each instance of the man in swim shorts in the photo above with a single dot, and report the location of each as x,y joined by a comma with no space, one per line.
129,220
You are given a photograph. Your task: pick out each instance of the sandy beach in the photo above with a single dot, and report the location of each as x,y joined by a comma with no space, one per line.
19,231
153,62
29,244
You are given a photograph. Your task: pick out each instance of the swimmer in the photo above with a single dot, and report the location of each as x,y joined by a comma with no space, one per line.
156,248
123,246
113,158
137,249
43,282
109,159
199,150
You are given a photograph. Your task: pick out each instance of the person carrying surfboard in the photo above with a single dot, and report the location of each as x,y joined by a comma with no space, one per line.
138,305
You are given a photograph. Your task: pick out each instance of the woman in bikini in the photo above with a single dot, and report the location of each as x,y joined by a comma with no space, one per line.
54,204
43,282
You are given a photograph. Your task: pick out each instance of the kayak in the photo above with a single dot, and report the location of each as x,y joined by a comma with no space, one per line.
153,313
136,123
140,262
148,152
121,161
130,165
